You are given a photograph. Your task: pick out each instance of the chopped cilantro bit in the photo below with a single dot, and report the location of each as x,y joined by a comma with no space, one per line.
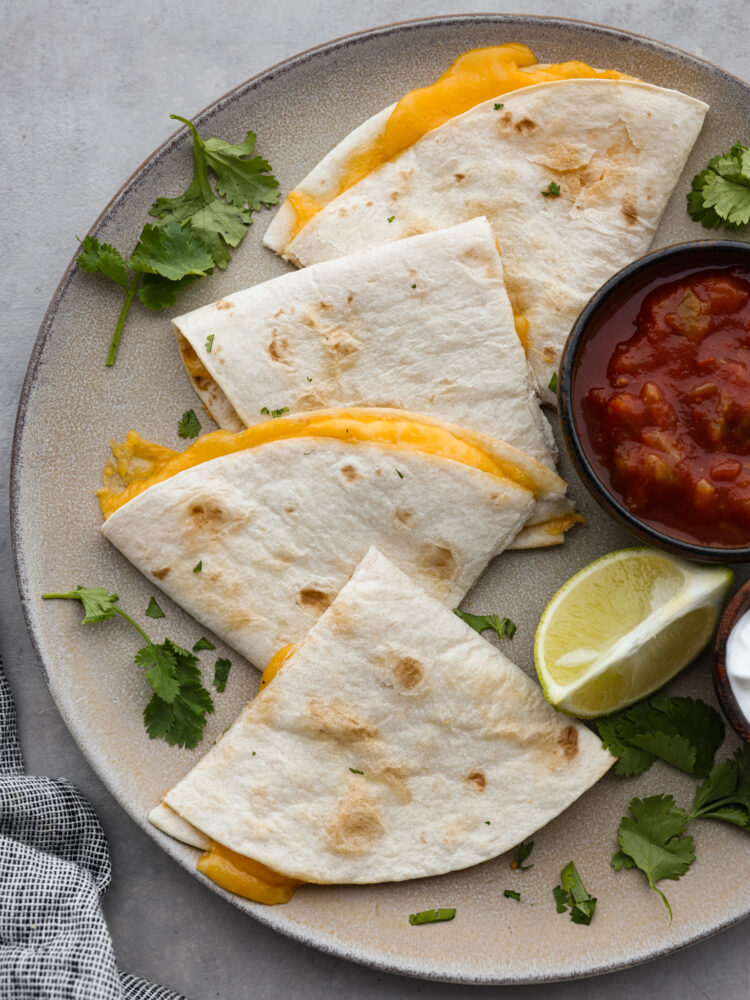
504,627
432,916
651,839
553,191
198,566
178,708
512,894
275,413
685,732
221,673
203,643
309,379
725,794
720,194
391,218
487,822
499,106
399,474
355,771
524,850
191,233
209,342
189,426
414,285
553,383
572,893
153,610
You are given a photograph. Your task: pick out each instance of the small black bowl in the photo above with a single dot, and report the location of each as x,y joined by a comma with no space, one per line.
667,264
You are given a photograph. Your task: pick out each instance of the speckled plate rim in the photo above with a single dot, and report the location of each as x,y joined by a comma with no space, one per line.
270,916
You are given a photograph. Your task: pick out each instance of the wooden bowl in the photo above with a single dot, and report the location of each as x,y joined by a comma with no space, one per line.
736,608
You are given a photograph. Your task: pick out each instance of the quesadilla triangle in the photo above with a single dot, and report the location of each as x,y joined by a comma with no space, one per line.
424,324
255,533
573,175
393,743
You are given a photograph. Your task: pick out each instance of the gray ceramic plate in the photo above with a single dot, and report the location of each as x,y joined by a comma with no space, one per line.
71,406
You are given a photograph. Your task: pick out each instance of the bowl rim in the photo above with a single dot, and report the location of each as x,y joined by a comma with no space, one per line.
732,613
568,365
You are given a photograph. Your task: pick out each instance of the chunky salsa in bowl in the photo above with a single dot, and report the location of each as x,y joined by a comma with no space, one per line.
655,398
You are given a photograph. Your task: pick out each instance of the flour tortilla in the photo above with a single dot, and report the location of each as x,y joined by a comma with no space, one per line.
616,148
422,324
280,527
447,731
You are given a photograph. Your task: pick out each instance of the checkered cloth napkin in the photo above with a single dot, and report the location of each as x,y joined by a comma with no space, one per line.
54,866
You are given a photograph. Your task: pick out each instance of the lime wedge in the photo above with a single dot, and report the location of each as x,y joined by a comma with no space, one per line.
623,626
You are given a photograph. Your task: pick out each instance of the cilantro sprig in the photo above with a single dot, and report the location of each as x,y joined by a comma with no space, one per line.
720,194
503,627
685,732
653,839
179,705
432,916
192,233
524,850
571,893
725,794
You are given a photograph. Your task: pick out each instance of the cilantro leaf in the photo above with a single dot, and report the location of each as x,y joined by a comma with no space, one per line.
512,894
189,425
172,251
572,893
160,666
98,603
102,258
553,383
157,292
652,839
553,191
504,627
524,850
432,916
720,194
203,643
240,180
153,610
685,732
725,794
221,672
180,722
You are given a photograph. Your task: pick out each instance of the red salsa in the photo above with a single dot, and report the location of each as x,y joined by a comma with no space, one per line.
663,390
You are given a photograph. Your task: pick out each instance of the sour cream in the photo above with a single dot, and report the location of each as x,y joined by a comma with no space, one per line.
738,663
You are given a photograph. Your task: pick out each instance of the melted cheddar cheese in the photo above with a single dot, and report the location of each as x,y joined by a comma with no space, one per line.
139,464
277,661
246,877
476,76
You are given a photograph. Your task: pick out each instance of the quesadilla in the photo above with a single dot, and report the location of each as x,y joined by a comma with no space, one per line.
422,324
393,743
573,175
255,533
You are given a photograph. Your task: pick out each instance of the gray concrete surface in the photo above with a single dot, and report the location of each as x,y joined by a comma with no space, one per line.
87,89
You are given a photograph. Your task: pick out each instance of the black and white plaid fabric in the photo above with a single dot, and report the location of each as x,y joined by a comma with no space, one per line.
54,866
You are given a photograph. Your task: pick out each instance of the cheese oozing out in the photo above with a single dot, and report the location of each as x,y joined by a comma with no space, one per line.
139,464
474,77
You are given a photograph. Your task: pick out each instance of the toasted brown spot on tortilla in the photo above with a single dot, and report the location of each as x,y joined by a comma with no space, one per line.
393,777
290,508
355,826
223,304
568,742
438,561
206,514
459,177
215,576
341,618
324,305
548,354
404,517
476,780
279,313
315,600
335,719
408,672
525,125
629,210
160,573
507,119
350,473
349,298
278,348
